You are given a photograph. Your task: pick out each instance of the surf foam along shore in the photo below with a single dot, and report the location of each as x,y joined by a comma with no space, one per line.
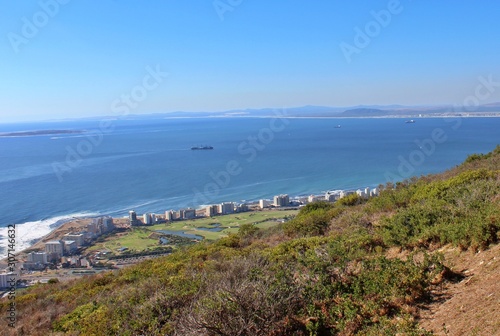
29,233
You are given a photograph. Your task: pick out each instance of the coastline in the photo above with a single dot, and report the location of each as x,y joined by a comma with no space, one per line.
55,227
36,230
497,115
58,232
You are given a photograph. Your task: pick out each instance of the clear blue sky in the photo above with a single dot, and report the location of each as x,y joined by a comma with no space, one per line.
262,54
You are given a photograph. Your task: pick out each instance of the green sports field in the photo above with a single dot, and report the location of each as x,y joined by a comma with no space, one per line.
142,238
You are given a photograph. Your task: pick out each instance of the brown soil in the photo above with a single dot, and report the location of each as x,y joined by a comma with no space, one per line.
471,306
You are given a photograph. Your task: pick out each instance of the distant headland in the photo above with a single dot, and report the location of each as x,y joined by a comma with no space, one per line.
359,111
41,132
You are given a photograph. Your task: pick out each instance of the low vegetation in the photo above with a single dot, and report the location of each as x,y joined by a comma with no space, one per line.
326,272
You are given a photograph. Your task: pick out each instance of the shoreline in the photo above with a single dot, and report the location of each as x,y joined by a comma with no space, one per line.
99,118
75,224
61,221
57,233
63,226
335,117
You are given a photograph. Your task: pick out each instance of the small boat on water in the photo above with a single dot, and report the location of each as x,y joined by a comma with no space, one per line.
338,126
201,147
410,121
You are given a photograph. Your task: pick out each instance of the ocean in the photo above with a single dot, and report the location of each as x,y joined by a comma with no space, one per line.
148,166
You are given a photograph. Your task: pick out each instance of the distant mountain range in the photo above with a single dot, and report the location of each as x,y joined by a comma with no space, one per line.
360,111
429,111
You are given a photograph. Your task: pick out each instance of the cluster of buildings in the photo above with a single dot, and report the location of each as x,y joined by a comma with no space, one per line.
64,250
330,196
225,208
147,219
68,245
335,195
278,201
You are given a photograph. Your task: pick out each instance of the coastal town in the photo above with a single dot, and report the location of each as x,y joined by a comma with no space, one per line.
94,245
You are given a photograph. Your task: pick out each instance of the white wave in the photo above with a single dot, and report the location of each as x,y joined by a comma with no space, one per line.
86,135
28,233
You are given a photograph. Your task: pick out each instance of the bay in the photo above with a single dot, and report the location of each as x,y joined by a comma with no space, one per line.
148,165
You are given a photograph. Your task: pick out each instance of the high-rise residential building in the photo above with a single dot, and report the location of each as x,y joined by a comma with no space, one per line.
281,200
37,257
79,238
263,203
107,223
332,195
169,215
70,246
92,229
6,279
242,208
147,219
54,250
187,213
367,191
35,261
211,210
132,217
226,208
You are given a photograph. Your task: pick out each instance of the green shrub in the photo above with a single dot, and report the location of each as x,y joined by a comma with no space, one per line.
314,206
350,200
312,220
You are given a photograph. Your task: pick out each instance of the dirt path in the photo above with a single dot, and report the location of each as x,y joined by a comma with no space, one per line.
471,306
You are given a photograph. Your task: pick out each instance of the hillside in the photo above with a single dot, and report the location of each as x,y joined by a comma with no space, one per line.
401,263
364,112
470,306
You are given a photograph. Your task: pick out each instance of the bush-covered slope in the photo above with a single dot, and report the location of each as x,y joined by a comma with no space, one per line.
326,272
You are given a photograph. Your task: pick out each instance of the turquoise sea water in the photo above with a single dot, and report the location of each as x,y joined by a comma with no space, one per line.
148,166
